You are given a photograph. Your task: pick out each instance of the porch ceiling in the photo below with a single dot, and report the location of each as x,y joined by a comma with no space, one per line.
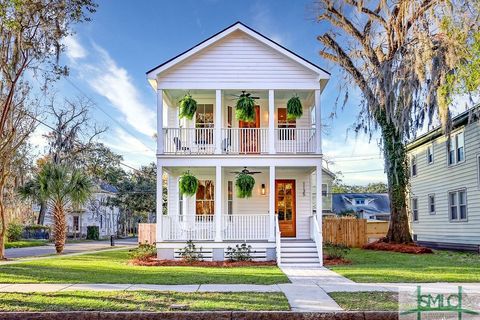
227,170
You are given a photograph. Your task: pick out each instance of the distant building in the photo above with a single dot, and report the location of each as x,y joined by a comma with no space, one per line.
371,206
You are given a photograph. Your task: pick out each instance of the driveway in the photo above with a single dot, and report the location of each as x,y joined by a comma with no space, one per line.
76,247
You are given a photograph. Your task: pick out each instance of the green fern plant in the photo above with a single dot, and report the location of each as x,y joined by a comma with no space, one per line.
188,107
188,184
245,108
294,108
244,184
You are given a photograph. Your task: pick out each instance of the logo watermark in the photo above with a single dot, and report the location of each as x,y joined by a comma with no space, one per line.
426,304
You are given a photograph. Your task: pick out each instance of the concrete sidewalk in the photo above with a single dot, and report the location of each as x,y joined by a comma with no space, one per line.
77,247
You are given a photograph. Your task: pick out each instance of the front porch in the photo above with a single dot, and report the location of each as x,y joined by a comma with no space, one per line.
282,205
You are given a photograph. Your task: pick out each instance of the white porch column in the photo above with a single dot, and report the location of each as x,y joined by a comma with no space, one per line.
218,204
271,203
218,121
318,199
271,121
159,201
318,122
159,121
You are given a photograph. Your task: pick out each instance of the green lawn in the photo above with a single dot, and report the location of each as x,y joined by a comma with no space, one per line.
366,301
25,243
382,266
112,267
142,301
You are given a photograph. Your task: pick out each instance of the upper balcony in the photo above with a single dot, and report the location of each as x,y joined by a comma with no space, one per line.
215,129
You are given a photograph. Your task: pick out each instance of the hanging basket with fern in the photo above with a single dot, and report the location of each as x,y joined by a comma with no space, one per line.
188,107
188,184
245,108
294,108
244,185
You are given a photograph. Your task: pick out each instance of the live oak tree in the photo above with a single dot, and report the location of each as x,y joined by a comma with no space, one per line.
408,58
31,34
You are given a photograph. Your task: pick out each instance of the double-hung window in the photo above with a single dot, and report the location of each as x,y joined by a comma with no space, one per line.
414,209
430,154
456,150
324,189
431,203
203,122
457,201
413,165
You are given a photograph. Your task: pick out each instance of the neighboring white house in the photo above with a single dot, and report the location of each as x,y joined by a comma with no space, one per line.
444,198
278,220
96,212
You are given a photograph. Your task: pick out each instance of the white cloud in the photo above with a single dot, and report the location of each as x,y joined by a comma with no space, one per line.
360,161
134,152
73,49
114,83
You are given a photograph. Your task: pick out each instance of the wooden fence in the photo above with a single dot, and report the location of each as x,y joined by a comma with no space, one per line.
147,233
349,231
352,232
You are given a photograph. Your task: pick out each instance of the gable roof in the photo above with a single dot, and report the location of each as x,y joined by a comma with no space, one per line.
152,73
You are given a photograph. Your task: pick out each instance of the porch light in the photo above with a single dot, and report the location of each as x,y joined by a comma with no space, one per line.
263,189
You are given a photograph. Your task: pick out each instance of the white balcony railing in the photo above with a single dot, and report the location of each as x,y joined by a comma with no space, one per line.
245,227
202,227
244,140
238,140
295,140
189,140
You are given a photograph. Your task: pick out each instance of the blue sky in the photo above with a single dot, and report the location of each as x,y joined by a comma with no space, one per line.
109,56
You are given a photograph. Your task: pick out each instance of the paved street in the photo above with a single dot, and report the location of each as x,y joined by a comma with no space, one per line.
69,248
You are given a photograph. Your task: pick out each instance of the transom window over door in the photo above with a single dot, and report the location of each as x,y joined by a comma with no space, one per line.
205,202
284,123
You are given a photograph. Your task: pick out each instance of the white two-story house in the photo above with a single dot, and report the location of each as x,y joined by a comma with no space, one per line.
444,195
282,218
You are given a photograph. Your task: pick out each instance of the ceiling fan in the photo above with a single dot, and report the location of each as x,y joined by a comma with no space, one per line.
246,171
244,93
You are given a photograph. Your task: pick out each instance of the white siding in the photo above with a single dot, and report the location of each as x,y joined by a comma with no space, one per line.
238,61
258,204
439,178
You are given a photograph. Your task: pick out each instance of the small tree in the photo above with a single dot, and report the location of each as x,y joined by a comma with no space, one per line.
62,189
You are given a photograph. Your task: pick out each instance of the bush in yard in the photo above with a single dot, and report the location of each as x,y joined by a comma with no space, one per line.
239,253
143,252
93,233
190,253
335,251
14,232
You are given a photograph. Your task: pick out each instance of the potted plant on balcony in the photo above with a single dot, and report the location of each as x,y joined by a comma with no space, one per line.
188,184
244,184
188,107
294,108
245,108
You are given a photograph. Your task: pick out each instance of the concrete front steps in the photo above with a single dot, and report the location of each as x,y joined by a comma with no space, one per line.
299,252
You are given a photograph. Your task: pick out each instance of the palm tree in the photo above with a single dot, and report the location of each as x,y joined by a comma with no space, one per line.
61,188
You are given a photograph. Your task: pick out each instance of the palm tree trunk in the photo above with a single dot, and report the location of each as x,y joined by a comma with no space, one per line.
59,226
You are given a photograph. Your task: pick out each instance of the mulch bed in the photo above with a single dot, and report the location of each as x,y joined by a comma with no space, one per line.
382,245
327,261
153,262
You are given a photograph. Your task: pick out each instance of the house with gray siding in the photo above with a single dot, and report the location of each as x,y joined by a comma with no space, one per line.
444,197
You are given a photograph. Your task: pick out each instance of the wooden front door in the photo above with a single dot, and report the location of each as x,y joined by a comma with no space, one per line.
250,138
285,207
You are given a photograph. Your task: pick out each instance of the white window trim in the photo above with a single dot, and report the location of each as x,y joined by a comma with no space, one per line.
434,204
433,154
456,191
453,141
326,189
413,156
413,215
